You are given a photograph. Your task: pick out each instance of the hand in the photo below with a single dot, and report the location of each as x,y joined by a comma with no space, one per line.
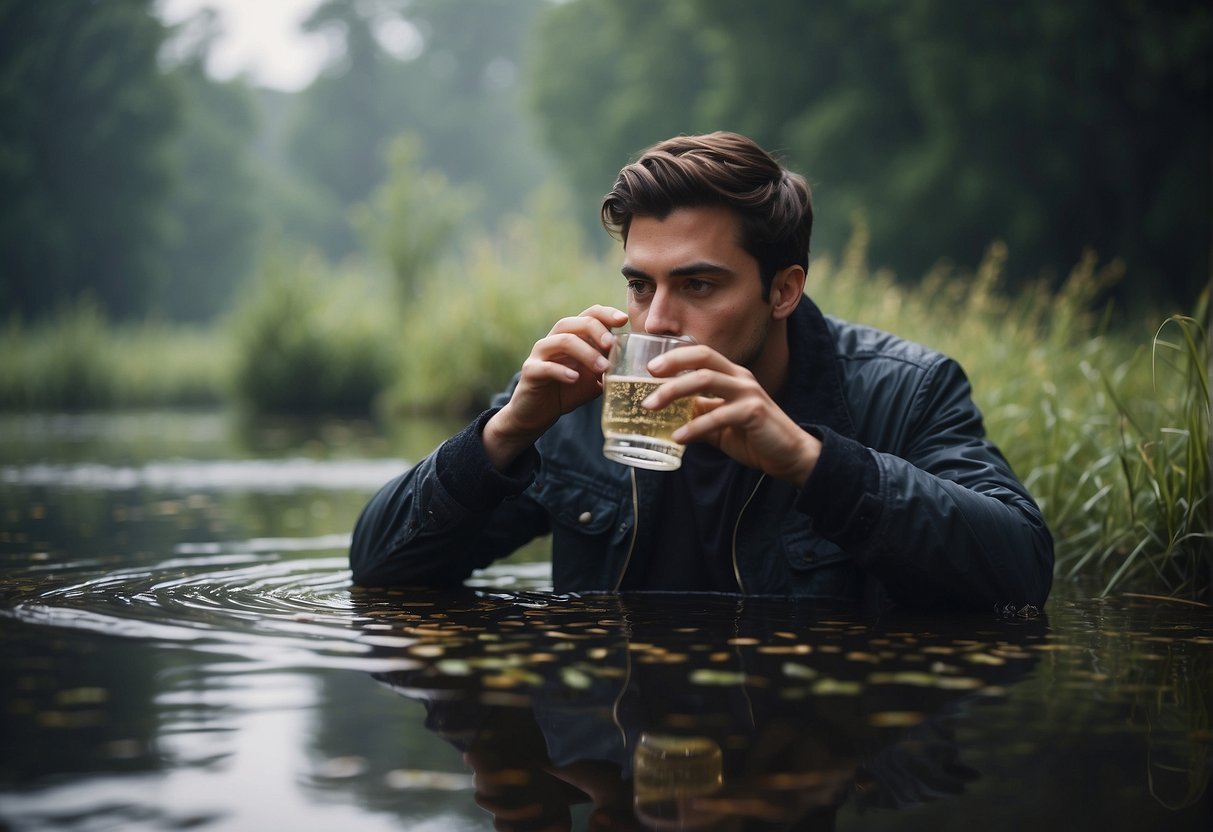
563,372
734,413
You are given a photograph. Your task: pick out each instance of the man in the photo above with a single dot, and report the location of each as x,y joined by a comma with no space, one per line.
826,460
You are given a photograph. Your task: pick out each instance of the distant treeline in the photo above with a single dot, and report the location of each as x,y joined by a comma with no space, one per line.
132,178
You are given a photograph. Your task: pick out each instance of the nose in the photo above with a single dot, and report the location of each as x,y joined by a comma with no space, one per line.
662,317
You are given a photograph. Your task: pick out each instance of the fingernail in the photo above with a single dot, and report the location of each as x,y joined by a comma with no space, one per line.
600,364
647,404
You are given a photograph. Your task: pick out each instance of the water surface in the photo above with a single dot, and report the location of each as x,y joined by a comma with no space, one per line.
180,648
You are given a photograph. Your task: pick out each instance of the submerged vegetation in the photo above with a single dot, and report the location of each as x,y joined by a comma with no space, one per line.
1108,425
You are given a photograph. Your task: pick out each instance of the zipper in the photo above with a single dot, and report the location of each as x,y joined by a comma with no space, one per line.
737,527
635,527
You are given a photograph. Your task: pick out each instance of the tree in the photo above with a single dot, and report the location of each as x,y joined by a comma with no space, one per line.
343,124
86,120
610,78
214,205
411,220
1055,127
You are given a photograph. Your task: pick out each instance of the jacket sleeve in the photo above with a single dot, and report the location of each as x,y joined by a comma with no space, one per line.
944,522
450,514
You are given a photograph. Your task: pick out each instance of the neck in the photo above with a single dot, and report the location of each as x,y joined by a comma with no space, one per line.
771,366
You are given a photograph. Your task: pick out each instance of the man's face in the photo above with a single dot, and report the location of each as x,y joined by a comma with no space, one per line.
687,274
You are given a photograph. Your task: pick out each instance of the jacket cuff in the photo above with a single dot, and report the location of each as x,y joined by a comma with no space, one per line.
464,469
842,493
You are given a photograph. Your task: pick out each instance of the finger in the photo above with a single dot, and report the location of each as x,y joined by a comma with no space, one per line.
594,325
703,383
609,315
738,415
536,371
706,404
572,350
692,357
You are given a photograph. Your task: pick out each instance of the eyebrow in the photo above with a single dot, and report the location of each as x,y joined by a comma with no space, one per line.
690,269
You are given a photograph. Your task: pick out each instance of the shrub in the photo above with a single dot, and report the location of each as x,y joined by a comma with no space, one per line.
312,340
76,360
476,318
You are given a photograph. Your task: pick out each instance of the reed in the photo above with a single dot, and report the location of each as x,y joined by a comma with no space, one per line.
1107,426
77,361
475,317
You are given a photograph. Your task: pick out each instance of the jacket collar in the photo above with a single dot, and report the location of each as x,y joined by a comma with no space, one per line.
812,394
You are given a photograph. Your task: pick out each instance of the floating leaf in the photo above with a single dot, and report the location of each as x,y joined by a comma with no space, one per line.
909,677
985,658
576,679
856,656
401,779
895,719
454,667
707,676
427,651
799,671
836,686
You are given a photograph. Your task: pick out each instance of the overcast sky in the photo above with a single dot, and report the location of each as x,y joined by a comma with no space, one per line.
261,40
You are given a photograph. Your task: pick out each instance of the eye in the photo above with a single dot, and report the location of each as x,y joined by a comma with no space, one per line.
638,288
696,286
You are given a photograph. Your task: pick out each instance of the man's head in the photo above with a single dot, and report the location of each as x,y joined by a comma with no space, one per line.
774,207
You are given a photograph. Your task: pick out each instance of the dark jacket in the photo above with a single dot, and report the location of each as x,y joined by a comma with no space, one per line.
908,497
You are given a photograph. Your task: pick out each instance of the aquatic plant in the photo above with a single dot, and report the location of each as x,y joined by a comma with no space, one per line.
1108,425
311,339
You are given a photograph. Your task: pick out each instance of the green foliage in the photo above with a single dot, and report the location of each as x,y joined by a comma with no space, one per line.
1114,445
308,340
457,91
213,205
87,119
610,78
476,318
412,219
1059,128
75,360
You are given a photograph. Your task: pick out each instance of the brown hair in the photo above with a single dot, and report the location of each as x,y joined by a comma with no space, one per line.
774,205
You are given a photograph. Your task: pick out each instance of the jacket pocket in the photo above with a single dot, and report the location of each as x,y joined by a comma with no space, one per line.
577,505
818,567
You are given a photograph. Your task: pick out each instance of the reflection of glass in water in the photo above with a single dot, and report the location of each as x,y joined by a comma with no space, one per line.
640,437
669,773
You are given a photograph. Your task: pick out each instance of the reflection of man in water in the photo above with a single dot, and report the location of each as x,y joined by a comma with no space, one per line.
826,459
802,723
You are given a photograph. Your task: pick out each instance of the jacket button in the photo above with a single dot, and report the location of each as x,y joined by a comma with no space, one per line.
584,518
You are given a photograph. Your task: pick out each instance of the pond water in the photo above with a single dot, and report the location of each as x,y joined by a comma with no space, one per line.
180,648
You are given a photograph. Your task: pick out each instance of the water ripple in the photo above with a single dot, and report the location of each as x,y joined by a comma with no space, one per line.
257,598
277,476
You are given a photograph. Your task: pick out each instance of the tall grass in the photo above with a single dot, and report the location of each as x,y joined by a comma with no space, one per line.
475,318
77,360
1108,426
1109,429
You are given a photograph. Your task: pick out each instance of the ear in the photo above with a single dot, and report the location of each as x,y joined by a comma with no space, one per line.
786,291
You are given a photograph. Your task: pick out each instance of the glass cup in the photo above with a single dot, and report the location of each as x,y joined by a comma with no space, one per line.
669,773
635,436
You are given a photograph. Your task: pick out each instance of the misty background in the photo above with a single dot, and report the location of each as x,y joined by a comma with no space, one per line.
133,177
